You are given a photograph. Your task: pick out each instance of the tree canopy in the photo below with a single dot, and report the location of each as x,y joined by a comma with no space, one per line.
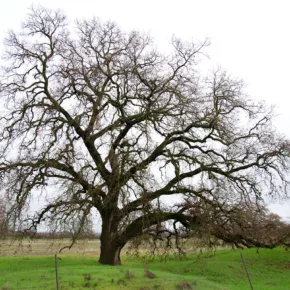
98,118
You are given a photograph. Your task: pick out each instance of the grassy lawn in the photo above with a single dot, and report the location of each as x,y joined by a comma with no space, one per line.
268,269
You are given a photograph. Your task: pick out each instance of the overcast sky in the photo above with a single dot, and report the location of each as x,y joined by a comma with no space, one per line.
249,38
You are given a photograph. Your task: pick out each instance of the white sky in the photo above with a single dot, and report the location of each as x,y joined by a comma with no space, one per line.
250,38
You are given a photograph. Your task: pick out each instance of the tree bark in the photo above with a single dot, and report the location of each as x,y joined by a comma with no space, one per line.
110,248
110,253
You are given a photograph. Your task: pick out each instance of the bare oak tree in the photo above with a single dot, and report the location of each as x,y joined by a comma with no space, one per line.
99,119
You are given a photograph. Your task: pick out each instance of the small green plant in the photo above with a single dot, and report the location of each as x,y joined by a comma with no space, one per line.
121,282
183,285
71,284
129,275
87,278
149,274
96,284
159,287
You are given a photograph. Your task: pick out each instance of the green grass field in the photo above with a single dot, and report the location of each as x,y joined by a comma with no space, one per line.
268,269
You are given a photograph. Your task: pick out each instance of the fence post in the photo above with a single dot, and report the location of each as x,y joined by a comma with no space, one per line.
246,271
56,271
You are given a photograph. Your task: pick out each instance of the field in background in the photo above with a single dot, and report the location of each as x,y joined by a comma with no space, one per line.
86,247
10,247
79,269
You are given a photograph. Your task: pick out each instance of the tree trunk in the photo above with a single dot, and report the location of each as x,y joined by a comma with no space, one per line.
110,246
110,253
